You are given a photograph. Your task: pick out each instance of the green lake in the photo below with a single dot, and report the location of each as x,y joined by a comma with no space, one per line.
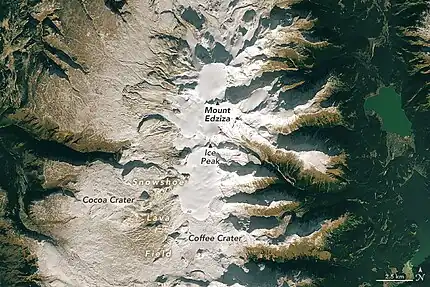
387,104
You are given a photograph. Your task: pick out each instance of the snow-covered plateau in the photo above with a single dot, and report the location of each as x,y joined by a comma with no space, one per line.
195,89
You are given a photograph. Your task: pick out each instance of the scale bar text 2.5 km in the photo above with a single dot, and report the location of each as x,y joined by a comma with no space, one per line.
395,280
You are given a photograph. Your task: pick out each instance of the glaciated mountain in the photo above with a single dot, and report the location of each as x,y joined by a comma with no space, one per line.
218,143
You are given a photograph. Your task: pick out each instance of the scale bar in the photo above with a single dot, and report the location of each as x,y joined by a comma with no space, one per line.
395,280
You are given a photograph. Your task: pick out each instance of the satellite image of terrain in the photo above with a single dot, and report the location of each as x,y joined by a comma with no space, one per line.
215,143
